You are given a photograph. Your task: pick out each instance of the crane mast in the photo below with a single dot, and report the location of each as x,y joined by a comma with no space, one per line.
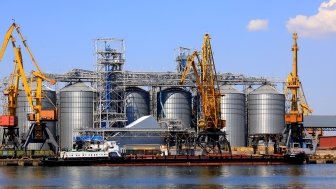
296,135
293,85
211,93
206,82
210,121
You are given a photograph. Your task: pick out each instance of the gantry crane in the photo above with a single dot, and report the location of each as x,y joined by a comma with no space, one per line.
209,121
38,131
296,135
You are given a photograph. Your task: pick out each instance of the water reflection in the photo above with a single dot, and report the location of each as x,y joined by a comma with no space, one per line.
212,177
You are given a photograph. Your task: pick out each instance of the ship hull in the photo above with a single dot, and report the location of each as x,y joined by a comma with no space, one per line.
179,160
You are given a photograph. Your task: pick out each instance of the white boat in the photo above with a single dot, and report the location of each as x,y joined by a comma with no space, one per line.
107,150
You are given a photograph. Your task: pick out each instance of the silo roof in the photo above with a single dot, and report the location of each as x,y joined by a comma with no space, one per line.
227,89
79,86
130,89
265,89
33,87
248,90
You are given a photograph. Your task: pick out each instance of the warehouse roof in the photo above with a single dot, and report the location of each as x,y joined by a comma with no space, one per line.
320,121
147,122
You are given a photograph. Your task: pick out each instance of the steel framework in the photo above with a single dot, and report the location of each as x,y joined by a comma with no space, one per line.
165,79
110,101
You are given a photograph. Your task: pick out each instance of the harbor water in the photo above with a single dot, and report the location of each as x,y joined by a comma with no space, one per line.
246,176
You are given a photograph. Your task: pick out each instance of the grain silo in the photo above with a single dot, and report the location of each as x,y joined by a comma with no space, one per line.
266,111
137,103
75,112
175,103
247,91
23,108
232,109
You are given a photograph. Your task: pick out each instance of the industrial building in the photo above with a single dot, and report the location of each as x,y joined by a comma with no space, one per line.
106,101
151,107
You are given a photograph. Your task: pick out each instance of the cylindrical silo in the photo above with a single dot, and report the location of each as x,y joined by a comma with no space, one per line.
175,103
232,109
137,103
247,91
75,112
23,108
266,111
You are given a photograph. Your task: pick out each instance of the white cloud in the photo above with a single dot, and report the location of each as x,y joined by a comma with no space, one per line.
257,25
321,24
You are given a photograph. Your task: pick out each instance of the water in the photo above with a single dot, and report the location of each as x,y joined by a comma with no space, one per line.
212,177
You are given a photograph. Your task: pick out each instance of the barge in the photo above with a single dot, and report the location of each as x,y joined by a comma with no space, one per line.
181,160
110,154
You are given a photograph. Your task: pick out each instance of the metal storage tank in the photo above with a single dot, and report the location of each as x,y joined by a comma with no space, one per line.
247,91
75,111
232,109
175,103
23,108
137,103
266,111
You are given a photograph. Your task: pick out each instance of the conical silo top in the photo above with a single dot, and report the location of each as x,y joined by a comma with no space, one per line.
248,90
79,86
33,87
229,89
265,89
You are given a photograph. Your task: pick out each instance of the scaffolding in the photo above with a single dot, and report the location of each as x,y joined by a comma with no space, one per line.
181,58
110,100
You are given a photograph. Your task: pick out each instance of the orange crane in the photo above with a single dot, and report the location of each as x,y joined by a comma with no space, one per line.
34,98
296,136
210,121
294,117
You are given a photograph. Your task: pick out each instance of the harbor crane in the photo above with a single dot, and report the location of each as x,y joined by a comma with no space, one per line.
297,138
38,131
209,121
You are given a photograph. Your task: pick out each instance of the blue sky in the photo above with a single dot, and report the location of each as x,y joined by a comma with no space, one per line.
61,33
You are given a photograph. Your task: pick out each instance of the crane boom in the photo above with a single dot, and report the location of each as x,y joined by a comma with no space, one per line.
25,44
191,62
38,130
305,109
12,90
8,37
38,114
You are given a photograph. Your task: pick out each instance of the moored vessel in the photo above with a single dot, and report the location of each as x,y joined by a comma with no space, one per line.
110,154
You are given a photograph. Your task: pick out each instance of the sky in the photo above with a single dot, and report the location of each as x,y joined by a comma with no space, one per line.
251,37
